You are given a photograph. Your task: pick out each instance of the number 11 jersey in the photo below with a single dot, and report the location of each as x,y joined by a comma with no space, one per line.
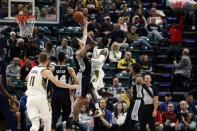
36,84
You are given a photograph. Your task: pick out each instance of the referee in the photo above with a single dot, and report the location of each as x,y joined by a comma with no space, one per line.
150,105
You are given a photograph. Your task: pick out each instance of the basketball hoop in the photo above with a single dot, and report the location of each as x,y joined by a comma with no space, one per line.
26,25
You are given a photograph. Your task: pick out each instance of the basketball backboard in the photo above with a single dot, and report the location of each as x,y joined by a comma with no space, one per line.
45,11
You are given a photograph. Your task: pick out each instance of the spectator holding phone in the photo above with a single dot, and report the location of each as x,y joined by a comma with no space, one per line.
185,121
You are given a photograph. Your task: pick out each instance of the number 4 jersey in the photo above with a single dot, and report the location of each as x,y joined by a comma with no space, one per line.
36,84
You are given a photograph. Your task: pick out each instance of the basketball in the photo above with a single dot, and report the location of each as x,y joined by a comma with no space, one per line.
78,17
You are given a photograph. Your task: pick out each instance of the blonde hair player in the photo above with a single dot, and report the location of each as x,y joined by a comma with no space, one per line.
37,102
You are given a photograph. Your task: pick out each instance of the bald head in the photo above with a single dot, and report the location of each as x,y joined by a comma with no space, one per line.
185,51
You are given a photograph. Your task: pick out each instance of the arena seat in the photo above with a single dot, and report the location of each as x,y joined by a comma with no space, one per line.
109,69
124,79
163,86
189,42
163,68
162,77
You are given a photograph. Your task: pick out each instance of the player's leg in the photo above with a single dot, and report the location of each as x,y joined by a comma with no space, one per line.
95,95
85,82
2,121
33,113
77,107
45,111
95,85
66,110
56,111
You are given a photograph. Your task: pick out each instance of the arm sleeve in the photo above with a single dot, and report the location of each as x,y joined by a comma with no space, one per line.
181,64
120,64
110,118
118,55
111,56
8,72
155,91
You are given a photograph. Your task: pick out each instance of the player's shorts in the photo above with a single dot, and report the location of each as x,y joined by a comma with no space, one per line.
2,117
84,81
61,105
85,85
38,107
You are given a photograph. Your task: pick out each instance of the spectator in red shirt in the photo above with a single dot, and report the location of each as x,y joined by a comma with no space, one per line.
169,118
176,37
23,62
26,69
159,120
176,32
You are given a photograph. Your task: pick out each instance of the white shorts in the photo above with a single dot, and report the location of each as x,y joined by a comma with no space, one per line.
38,107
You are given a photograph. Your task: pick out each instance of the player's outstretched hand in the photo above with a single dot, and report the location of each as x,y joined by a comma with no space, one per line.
72,87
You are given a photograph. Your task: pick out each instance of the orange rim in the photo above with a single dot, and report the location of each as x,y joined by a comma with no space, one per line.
22,19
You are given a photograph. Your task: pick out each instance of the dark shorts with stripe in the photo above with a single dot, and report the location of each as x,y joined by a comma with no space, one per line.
85,85
61,106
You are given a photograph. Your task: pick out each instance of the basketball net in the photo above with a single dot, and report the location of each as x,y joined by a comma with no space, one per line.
26,25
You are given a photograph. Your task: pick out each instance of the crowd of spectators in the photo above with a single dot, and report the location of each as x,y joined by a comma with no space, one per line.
119,28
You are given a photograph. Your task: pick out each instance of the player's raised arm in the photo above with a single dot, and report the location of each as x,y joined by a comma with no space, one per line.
85,31
82,42
48,75
7,95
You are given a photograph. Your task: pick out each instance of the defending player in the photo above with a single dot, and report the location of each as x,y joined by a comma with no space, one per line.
61,102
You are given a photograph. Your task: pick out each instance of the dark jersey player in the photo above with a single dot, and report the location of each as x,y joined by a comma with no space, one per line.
61,102
84,50
84,70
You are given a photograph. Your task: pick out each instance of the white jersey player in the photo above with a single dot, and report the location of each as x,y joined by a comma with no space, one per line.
37,103
97,62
